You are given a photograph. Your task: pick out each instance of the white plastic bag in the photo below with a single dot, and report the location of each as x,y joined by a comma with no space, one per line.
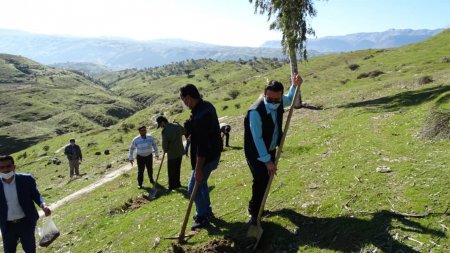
48,233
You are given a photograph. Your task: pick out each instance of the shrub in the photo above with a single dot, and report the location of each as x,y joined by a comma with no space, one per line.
425,80
46,148
375,73
445,59
233,94
344,81
237,106
353,66
224,107
22,156
362,75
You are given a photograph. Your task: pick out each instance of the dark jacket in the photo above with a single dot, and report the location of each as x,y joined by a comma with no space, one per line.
73,152
28,194
268,127
172,140
205,137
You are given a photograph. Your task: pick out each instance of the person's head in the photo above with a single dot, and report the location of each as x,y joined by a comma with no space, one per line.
273,94
72,141
161,121
142,130
7,166
227,129
189,95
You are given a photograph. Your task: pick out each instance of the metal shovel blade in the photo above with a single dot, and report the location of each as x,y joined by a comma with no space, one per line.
178,237
255,231
152,193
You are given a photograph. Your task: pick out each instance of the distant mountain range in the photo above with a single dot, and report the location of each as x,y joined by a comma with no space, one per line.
118,53
358,41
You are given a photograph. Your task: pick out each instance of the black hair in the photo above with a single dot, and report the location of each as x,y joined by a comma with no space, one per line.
273,85
7,158
191,90
141,127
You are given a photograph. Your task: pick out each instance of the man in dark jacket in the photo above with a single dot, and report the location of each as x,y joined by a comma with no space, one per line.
172,144
18,214
206,147
73,153
225,129
262,134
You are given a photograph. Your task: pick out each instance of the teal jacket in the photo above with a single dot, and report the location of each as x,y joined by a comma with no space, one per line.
172,140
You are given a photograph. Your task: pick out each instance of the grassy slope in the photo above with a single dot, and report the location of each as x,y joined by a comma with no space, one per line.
38,102
327,196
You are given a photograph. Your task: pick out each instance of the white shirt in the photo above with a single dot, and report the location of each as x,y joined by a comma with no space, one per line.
15,211
143,146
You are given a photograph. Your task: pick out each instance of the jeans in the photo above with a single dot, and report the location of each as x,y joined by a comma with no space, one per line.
202,201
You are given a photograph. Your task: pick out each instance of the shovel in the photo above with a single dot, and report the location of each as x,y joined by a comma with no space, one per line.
256,231
182,234
153,191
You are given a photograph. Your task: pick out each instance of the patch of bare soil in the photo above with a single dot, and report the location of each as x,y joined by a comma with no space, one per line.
131,204
213,246
437,126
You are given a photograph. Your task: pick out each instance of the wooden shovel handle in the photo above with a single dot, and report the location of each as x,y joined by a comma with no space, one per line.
188,212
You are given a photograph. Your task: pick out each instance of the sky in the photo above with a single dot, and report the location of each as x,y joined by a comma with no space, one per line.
221,22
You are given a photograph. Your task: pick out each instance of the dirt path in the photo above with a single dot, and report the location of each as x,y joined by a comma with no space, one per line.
107,178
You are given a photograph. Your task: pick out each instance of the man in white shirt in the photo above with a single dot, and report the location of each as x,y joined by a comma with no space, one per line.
144,144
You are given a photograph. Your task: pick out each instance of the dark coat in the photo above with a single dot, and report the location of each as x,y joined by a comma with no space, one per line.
268,127
27,194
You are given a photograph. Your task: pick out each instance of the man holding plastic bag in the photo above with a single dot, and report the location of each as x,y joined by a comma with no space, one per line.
18,214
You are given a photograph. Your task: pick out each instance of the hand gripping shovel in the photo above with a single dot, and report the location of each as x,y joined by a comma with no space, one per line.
182,234
256,231
154,190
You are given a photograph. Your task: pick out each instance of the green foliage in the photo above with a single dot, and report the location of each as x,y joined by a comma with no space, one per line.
291,17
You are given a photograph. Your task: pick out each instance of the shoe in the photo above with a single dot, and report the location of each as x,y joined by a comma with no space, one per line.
252,220
152,181
200,222
209,216
139,186
266,213
170,190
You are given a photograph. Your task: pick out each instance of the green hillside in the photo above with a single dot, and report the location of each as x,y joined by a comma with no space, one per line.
363,110
38,102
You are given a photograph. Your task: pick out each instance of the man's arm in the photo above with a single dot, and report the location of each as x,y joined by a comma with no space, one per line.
287,99
37,197
155,147
132,148
81,155
256,130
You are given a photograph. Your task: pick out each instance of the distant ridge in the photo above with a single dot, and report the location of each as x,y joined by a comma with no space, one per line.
119,53
358,41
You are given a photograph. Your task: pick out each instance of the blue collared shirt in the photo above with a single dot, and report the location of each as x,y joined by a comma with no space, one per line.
256,127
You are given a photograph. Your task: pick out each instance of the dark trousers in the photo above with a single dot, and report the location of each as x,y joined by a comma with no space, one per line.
260,181
173,172
227,139
15,231
142,162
